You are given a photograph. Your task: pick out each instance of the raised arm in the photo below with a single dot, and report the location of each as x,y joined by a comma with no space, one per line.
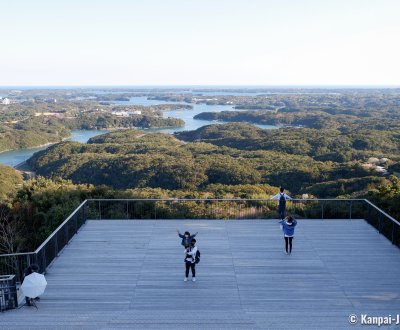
179,233
275,196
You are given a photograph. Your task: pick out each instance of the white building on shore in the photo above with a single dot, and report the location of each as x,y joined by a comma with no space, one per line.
126,113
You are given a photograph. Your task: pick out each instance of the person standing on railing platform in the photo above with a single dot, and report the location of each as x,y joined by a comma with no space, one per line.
288,225
281,197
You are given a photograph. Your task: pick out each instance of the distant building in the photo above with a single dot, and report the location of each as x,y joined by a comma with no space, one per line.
50,114
120,113
126,113
376,168
5,101
382,170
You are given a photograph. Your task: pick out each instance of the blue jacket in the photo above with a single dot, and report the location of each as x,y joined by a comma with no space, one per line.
186,241
288,229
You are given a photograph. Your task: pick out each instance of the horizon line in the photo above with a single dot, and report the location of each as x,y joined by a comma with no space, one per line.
344,86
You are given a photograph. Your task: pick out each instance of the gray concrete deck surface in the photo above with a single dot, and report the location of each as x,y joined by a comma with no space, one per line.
129,275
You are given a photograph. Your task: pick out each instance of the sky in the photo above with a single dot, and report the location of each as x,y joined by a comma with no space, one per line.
199,42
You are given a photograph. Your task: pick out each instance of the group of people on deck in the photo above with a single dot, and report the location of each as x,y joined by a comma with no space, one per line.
288,224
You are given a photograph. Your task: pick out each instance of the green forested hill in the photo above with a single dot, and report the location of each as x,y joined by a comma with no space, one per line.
230,154
10,180
320,144
30,133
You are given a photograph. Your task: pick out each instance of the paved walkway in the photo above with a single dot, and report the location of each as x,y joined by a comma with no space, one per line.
129,275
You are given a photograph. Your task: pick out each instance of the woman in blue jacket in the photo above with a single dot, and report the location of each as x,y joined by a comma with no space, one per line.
288,225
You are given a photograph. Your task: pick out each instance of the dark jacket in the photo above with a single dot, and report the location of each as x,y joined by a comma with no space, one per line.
186,242
31,269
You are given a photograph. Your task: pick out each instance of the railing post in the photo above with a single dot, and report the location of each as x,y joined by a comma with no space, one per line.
322,209
66,232
28,261
127,209
351,206
379,222
99,211
56,245
392,232
294,208
369,213
84,213
44,259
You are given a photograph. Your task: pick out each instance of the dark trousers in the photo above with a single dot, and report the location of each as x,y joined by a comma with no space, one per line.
288,241
281,213
192,266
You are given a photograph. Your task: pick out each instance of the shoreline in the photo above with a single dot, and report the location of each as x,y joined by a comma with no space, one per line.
34,147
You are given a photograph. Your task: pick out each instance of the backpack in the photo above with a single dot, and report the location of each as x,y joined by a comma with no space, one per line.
197,257
282,201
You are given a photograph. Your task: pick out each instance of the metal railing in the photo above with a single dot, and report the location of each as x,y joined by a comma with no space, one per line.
160,209
163,209
8,292
48,250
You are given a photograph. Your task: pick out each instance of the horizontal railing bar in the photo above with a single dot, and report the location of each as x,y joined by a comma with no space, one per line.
60,226
224,199
383,212
17,254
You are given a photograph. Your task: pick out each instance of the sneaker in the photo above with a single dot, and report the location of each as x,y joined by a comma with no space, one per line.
194,279
286,252
185,280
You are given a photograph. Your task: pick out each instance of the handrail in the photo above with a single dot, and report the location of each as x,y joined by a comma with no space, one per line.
17,254
60,237
60,226
244,199
221,199
44,255
383,212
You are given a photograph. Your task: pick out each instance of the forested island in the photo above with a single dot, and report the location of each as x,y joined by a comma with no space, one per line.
229,154
33,122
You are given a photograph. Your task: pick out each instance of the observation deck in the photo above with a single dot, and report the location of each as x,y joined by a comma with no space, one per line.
128,274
